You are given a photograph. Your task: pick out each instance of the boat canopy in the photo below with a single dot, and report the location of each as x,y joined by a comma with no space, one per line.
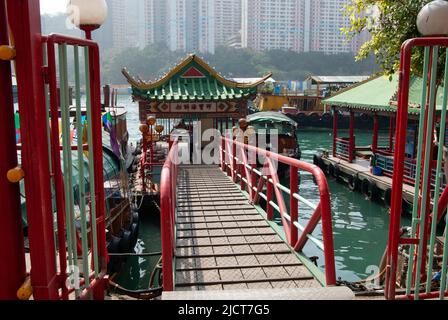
272,120
111,171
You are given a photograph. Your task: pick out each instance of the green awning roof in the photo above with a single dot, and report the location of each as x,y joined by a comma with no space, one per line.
192,80
379,95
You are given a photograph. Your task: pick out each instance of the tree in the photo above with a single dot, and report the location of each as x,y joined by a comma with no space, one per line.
392,23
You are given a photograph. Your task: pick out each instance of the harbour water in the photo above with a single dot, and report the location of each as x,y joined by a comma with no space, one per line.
360,226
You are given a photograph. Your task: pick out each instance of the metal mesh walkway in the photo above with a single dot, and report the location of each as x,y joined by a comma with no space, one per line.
224,243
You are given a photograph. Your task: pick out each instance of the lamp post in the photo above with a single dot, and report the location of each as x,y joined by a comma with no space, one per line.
87,15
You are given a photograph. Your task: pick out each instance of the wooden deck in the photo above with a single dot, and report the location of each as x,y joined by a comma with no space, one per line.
224,243
361,167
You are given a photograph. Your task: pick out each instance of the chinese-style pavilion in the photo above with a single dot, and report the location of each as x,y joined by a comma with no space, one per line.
194,90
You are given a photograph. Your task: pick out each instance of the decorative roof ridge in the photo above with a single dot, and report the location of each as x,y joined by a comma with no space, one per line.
144,85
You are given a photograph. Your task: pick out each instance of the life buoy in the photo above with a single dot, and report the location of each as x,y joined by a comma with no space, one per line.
353,182
387,197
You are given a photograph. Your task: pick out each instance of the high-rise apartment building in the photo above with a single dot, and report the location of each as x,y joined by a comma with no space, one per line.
186,25
228,22
273,24
326,20
298,25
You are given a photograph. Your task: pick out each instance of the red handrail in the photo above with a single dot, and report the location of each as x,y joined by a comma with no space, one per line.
237,166
168,202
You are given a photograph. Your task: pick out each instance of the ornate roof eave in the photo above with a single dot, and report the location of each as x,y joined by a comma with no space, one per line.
143,85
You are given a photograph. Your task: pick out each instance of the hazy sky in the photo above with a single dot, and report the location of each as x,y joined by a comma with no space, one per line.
53,6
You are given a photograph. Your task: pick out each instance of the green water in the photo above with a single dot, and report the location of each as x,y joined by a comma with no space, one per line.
360,226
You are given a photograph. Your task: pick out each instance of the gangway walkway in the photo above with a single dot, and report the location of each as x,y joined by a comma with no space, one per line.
223,242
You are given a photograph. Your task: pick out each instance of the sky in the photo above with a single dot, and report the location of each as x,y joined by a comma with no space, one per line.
53,6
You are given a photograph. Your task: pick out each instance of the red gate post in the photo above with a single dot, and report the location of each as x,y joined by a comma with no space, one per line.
25,25
12,255
397,178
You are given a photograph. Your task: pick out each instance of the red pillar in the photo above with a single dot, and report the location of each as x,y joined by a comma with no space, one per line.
335,130
351,147
25,24
12,256
375,133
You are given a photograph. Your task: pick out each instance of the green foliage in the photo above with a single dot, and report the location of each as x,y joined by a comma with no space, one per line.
393,22
154,60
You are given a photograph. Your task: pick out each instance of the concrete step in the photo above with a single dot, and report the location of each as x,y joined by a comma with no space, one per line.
326,293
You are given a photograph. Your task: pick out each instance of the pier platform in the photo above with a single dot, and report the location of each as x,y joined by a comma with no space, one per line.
224,243
361,168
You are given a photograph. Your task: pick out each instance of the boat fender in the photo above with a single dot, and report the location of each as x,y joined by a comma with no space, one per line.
135,218
370,189
330,170
125,242
374,191
26,290
326,118
337,171
387,196
316,160
353,182
365,187
114,245
134,235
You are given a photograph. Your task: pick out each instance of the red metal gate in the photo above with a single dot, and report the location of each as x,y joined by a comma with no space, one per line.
429,204
41,161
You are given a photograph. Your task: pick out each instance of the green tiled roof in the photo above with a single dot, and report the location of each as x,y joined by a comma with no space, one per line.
379,94
192,80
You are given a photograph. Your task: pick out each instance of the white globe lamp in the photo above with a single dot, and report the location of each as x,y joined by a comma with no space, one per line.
432,19
87,15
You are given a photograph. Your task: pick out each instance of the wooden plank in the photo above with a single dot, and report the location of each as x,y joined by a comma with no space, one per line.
223,242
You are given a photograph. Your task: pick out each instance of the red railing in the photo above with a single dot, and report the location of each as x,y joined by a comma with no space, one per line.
344,149
238,160
168,204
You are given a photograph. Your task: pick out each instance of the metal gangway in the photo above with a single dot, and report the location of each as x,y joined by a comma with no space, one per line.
216,236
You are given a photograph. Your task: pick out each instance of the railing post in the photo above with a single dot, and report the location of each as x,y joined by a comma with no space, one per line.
269,196
293,203
223,147
375,133
233,159
391,132
253,179
335,130
351,146
12,255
